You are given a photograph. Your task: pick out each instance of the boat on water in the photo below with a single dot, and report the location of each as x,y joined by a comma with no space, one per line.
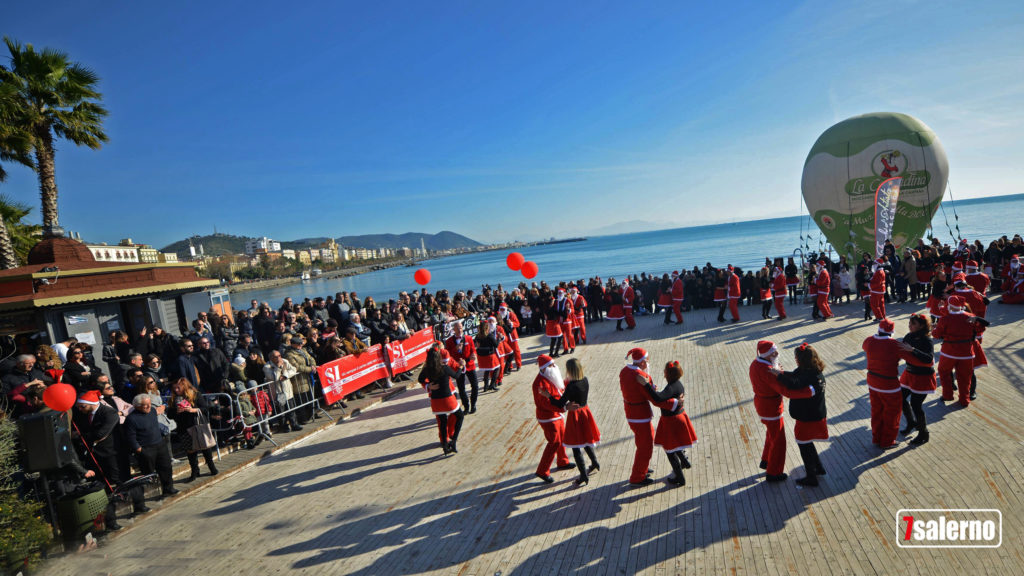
317,272
305,276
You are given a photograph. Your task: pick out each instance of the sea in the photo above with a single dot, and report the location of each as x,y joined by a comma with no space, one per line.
742,244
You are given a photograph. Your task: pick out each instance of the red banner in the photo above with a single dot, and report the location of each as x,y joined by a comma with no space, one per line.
407,354
346,375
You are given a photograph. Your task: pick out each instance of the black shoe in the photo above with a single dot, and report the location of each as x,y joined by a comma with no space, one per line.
681,481
807,481
645,482
114,527
776,477
545,477
922,438
581,481
763,465
650,471
820,471
472,410
140,510
593,468
684,461
910,428
446,448
569,466
213,470
191,478
171,491
974,395
452,447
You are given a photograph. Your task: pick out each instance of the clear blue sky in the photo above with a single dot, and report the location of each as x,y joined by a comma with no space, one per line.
504,120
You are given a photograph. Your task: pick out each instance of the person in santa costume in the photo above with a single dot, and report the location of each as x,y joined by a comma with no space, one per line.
977,305
779,287
664,301
488,359
633,382
436,377
878,289
768,393
581,432
734,294
977,279
958,330
553,326
883,359
824,283
463,351
1010,272
812,292
615,311
504,349
677,297
807,407
628,298
579,306
937,295
1015,293
549,382
765,287
918,379
510,324
675,432
566,317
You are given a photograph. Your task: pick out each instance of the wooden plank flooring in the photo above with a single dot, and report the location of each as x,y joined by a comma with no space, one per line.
373,495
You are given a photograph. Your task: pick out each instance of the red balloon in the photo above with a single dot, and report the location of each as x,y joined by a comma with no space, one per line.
422,276
515,260
529,269
59,397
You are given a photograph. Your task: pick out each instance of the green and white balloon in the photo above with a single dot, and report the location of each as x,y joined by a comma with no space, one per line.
849,161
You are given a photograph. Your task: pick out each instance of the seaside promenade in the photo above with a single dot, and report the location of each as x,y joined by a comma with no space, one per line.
373,495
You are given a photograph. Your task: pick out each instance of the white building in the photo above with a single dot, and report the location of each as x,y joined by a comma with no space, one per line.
264,243
104,253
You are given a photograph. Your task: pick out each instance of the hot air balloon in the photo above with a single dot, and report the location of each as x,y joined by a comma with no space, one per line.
849,161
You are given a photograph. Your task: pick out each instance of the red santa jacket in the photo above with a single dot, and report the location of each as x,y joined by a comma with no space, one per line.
546,412
767,396
734,285
824,282
464,350
779,286
677,290
957,332
883,355
979,281
579,305
878,282
974,300
634,395
628,297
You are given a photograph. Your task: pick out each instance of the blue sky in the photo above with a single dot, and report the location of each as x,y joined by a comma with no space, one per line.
504,120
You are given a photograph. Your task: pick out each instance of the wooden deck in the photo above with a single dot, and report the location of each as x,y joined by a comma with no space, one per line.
374,495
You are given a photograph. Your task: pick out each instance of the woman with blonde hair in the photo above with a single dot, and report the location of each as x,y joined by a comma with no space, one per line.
675,432
185,407
581,432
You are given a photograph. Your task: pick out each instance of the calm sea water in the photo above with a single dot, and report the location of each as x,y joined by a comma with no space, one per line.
743,244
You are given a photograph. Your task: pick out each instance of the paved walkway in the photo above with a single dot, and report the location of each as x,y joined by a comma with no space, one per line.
374,495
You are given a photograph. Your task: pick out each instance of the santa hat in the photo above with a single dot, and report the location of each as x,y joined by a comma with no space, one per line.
492,320
880,261
959,278
543,361
503,306
637,355
729,268
766,348
821,262
956,304
957,265
675,273
90,398
886,326
972,265
625,281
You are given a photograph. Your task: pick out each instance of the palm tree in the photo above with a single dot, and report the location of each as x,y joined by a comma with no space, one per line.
20,235
15,146
55,97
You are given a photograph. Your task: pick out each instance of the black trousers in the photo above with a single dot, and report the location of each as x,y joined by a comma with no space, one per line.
913,411
474,385
157,458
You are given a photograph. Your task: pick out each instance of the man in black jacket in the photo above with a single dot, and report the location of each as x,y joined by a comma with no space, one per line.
146,441
212,365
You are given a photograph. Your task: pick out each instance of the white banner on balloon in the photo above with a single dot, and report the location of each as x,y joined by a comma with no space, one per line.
886,197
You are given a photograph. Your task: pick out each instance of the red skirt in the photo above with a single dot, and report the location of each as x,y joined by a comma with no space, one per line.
918,383
488,362
766,294
553,328
675,432
924,276
665,300
934,306
719,294
792,281
504,349
446,405
615,312
806,432
580,429
980,361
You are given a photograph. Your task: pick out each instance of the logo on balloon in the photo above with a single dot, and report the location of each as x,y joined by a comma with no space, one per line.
889,164
828,222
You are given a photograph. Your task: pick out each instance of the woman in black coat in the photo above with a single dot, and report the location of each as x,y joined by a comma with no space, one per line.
438,377
185,407
76,371
806,391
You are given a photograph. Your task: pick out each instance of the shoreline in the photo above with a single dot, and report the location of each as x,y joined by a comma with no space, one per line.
343,273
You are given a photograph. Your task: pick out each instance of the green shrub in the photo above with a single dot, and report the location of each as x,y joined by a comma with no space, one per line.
24,534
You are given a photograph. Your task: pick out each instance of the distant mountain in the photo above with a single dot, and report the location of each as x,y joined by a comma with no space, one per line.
443,240
220,244
213,245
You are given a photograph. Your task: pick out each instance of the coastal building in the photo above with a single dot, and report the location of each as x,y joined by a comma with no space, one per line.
148,255
167,257
103,253
65,291
262,243
303,257
288,253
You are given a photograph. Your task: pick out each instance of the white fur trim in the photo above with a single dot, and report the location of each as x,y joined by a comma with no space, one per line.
883,390
971,357
638,421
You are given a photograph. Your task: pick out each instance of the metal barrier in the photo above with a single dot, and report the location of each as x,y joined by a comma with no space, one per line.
470,325
287,404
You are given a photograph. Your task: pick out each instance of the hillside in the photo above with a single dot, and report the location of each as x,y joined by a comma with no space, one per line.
220,244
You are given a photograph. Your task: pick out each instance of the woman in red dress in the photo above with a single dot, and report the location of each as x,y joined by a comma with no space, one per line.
437,377
488,360
675,432
581,432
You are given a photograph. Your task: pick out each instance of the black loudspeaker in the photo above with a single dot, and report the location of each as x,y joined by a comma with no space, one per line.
46,441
